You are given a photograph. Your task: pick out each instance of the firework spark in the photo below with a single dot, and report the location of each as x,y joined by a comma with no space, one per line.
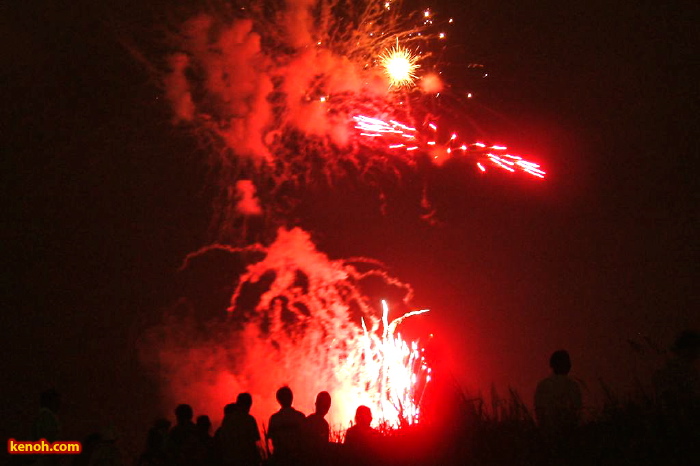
400,66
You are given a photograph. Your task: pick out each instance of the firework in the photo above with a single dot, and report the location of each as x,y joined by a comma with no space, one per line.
280,87
283,92
307,324
400,66
399,137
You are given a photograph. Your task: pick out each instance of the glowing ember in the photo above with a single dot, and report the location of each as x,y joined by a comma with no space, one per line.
400,66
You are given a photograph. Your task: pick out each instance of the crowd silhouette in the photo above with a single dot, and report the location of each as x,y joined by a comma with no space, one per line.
291,437
557,434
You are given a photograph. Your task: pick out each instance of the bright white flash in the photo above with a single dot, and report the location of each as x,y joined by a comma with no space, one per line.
399,66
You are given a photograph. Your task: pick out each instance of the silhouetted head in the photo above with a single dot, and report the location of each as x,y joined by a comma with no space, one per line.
50,399
244,401
203,423
184,414
560,362
323,403
229,409
284,397
161,424
363,416
687,345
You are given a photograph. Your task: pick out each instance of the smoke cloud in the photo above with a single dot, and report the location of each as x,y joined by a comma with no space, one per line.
248,203
248,79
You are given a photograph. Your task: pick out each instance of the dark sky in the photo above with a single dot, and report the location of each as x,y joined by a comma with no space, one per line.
103,198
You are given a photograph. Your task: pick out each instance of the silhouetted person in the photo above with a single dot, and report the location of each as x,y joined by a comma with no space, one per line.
206,440
204,426
238,435
316,425
185,446
285,429
88,447
558,397
219,442
106,452
361,439
677,385
155,452
46,425
316,429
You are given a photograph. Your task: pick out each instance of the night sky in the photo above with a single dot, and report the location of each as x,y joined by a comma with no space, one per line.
104,197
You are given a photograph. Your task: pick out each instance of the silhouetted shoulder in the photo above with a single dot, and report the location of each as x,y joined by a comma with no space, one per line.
288,416
317,428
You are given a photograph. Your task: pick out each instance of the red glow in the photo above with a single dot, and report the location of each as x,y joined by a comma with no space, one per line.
304,336
319,348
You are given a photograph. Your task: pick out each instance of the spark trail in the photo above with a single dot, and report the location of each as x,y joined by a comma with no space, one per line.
400,137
